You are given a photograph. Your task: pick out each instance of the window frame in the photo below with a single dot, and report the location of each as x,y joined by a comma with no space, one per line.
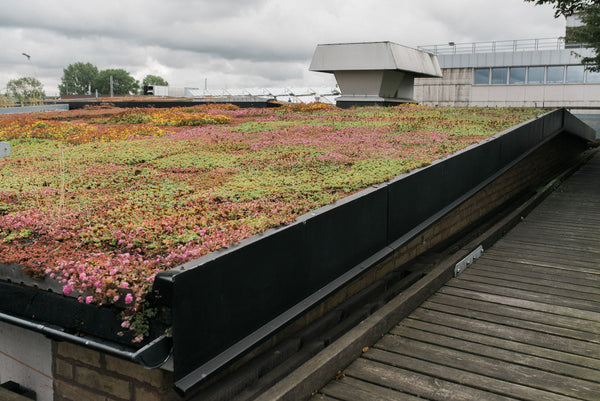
548,68
505,75
510,76
475,70
543,69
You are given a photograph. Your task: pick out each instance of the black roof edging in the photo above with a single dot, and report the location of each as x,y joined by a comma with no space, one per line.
227,302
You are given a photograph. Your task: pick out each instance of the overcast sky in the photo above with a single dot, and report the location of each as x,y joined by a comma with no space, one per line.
243,43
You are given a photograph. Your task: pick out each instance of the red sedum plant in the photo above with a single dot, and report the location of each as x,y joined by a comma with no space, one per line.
102,206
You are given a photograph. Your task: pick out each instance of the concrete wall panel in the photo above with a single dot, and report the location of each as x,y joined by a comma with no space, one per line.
29,349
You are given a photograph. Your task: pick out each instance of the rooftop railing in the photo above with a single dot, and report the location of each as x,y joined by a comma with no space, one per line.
501,46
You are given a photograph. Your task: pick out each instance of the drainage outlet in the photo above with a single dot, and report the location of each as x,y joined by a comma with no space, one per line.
466,262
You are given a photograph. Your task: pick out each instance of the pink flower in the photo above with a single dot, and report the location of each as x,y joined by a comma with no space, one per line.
128,298
124,284
67,290
89,299
125,324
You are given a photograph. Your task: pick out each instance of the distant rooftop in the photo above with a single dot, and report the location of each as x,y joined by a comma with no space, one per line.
500,46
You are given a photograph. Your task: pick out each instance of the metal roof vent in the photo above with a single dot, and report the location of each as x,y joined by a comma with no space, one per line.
374,72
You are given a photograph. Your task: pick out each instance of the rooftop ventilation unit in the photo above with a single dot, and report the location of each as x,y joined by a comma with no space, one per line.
374,72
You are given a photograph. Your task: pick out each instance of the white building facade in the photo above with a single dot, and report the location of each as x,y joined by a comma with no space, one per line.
527,73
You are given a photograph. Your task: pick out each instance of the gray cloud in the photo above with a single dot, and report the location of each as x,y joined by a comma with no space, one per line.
235,43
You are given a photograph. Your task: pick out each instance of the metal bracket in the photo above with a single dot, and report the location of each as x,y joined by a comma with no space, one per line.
4,149
467,261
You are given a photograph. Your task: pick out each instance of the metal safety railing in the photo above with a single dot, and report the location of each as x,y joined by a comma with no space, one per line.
501,46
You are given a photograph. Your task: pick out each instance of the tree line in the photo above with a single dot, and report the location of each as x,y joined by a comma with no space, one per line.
85,78
78,79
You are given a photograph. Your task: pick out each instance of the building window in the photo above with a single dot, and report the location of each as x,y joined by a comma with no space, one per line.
539,75
499,76
517,75
536,75
575,73
556,75
482,76
592,76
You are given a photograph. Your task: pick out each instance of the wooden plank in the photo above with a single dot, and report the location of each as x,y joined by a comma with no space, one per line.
516,237
523,303
532,361
510,333
536,246
491,367
570,227
523,348
539,287
492,386
587,247
351,389
422,385
537,272
517,260
555,235
478,273
524,277
322,397
569,224
545,261
513,322
520,313
523,294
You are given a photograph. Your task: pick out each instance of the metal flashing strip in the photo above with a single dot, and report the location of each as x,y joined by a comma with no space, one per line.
191,380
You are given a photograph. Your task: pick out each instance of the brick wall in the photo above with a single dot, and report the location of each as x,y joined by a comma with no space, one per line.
81,374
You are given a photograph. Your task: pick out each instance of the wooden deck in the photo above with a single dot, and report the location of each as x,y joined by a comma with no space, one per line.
523,322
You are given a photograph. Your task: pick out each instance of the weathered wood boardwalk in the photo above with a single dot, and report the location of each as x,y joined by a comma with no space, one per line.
523,322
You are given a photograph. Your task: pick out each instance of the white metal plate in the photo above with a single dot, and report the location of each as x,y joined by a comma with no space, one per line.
468,260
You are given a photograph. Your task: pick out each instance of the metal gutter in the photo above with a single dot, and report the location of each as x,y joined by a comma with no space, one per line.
151,356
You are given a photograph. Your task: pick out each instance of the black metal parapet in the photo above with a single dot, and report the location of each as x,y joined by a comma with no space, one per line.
227,302
80,104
